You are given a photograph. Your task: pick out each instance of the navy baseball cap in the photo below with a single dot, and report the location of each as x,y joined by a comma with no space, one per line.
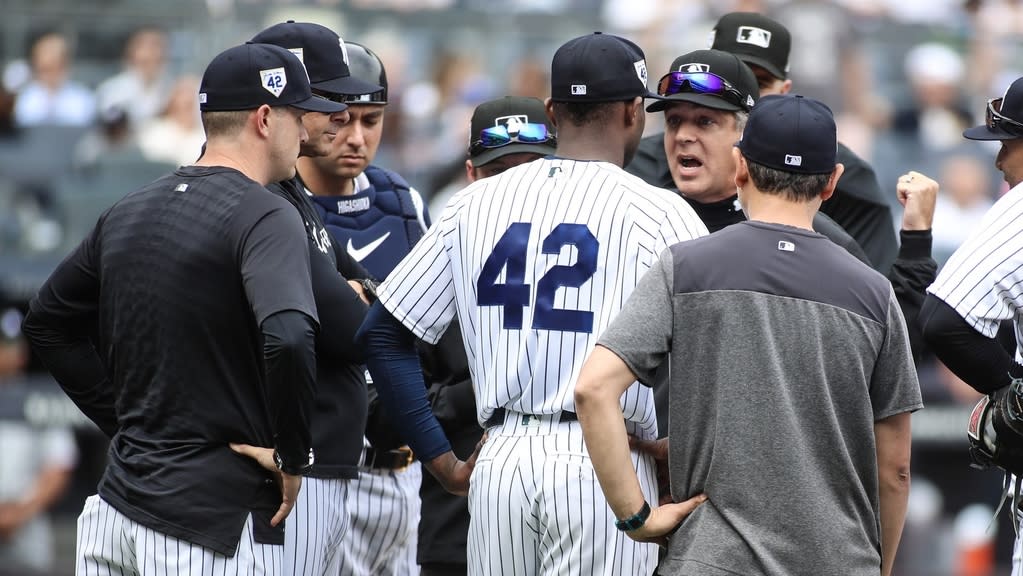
1004,118
321,51
598,68
709,78
792,134
246,77
510,125
755,39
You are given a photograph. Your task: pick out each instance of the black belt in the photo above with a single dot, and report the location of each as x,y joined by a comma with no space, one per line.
498,417
397,459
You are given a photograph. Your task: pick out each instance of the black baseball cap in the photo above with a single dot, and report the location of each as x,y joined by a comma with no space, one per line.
246,77
755,39
792,134
723,64
511,113
321,51
598,68
1004,119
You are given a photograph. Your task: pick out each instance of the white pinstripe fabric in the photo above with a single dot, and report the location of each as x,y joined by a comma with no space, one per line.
315,530
384,507
109,543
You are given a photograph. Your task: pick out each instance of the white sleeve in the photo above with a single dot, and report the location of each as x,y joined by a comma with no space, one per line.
419,292
983,279
680,223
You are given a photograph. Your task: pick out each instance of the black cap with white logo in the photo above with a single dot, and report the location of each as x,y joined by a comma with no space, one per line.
248,76
792,134
321,51
756,39
740,93
516,116
598,68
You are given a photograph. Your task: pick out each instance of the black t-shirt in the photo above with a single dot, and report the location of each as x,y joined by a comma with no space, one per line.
176,279
339,417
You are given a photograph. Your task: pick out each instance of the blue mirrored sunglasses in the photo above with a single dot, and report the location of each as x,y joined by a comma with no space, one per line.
700,83
497,136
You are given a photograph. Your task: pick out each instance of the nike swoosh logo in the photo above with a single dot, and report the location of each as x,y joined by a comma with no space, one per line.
361,253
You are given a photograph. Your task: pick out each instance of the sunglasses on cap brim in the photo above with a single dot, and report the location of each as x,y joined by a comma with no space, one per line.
498,136
700,83
375,97
994,119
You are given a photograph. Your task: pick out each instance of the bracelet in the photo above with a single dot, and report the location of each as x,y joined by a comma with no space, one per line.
370,287
635,521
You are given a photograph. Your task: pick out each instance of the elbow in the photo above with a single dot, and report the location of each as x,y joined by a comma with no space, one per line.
588,392
895,479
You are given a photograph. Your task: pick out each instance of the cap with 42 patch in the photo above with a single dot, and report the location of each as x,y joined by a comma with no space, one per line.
598,68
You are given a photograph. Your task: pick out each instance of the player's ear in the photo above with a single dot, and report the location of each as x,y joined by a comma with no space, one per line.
470,172
832,182
261,116
548,105
741,168
634,111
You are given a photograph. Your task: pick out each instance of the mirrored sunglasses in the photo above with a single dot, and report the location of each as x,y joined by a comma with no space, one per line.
700,83
497,136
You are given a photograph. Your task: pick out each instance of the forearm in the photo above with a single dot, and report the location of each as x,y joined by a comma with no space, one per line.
76,366
289,354
49,487
392,360
893,439
912,272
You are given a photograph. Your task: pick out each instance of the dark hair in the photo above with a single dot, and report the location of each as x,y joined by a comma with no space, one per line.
581,113
223,122
795,187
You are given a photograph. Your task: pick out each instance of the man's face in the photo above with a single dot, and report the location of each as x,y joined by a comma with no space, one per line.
498,165
698,142
356,142
288,136
1010,161
322,129
768,83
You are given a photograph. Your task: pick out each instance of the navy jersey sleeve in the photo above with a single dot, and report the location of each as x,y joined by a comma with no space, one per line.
61,325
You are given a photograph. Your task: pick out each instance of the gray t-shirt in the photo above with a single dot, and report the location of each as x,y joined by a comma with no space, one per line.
784,351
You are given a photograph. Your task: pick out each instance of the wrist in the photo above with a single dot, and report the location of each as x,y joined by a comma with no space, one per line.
636,521
294,466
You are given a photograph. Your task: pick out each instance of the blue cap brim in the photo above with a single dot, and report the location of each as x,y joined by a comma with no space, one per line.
985,133
317,104
347,86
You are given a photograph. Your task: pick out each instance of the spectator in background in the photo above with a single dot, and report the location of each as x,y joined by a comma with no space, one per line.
51,97
966,195
143,86
937,115
110,140
176,136
38,462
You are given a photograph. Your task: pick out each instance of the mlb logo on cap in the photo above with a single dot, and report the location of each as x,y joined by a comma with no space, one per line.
578,89
793,160
753,35
694,67
792,134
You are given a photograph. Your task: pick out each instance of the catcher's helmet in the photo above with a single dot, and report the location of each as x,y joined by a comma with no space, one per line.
366,65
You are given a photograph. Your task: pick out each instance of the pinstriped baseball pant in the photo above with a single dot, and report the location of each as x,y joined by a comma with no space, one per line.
537,508
110,543
316,527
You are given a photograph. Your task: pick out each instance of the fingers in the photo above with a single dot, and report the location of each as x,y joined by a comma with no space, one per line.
263,456
665,519
290,486
656,448
918,194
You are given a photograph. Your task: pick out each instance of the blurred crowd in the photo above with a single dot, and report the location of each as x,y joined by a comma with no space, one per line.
904,78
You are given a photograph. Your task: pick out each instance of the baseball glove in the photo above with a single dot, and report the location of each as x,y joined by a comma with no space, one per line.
995,429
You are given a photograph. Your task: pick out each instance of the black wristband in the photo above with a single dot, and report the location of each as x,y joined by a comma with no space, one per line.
635,521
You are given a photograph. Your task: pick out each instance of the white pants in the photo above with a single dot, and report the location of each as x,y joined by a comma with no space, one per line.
384,507
110,543
537,507
315,528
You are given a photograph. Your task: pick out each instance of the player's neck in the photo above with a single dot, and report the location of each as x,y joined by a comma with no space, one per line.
232,158
776,209
321,183
594,147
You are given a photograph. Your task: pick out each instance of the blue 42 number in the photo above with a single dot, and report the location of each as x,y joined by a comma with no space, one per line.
510,254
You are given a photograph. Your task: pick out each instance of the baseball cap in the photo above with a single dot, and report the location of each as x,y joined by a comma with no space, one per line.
740,93
246,77
755,39
1004,119
509,116
792,134
598,68
321,51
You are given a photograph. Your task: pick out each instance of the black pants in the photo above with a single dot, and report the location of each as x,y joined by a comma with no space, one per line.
444,569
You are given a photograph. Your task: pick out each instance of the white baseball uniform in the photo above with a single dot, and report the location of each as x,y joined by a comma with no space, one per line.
983,282
536,262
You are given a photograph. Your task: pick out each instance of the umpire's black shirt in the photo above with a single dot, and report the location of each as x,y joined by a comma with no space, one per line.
172,286
339,417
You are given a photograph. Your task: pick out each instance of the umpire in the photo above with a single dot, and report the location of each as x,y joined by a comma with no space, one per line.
185,321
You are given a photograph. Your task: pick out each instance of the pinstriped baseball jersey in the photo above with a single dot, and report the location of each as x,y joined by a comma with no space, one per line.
983,280
536,262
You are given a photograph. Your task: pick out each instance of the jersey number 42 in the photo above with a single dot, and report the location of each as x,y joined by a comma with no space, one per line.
514,294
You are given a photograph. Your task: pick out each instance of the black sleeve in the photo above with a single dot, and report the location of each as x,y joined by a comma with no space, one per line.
980,361
824,225
289,340
912,272
61,325
349,267
340,309
863,210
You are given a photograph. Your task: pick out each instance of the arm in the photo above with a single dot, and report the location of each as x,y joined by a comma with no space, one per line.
394,364
49,486
914,269
60,325
892,436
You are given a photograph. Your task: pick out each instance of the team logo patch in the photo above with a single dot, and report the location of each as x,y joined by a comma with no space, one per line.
202,97
753,35
786,246
640,66
299,53
694,67
512,123
793,160
578,89
749,101
344,51
274,80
